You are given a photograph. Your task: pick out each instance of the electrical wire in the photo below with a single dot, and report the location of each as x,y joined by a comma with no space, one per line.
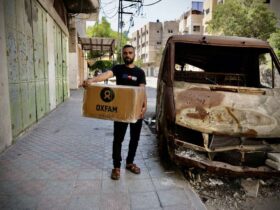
105,12
110,17
110,2
146,5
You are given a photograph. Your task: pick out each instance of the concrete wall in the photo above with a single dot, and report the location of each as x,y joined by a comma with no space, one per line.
154,40
81,26
73,70
183,28
208,5
167,26
195,20
149,40
5,113
77,64
146,41
48,6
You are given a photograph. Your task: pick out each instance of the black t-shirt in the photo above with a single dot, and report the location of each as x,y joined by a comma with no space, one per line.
129,76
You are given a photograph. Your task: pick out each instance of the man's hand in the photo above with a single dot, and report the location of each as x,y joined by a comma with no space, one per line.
144,106
143,111
87,82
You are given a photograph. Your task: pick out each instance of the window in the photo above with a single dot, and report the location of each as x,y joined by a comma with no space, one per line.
276,78
197,6
158,43
157,31
170,31
266,70
196,28
207,11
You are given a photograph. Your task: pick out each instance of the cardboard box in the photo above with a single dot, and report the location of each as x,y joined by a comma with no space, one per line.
113,102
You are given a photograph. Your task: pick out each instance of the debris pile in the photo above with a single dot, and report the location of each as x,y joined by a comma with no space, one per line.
273,160
222,192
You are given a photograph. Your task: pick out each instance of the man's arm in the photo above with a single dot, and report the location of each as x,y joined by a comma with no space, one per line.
101,77
144,107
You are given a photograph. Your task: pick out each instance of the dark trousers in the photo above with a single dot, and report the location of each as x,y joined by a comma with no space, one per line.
119,133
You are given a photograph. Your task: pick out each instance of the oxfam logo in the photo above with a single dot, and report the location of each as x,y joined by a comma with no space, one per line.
107,95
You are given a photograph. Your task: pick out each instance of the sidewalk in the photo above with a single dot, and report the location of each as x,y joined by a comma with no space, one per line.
64,162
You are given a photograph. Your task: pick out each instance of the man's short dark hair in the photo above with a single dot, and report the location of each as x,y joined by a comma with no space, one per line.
128,46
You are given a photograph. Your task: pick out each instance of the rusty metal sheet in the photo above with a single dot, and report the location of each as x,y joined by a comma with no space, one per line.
47,96
182,158
20,16
59,65
219,40
58,49
37,21
12,59
28,103
59,90
227,113
40,99
16,109
64,67
39,60
22,56
27,16
10,11
45,45
30,59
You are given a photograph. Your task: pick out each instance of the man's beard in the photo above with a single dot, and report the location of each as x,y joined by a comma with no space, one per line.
128,61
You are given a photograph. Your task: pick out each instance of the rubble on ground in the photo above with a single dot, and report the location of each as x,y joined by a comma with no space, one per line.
222,192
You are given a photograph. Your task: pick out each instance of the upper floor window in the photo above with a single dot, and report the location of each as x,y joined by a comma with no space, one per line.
170,31
196,5
196,28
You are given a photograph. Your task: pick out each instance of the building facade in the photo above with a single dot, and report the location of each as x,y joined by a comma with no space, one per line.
208,7
149,42
191,22
34,61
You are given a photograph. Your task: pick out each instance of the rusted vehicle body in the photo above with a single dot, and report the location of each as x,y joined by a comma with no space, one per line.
218,104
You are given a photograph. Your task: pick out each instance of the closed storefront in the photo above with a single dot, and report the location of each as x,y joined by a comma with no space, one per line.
28,62
34,59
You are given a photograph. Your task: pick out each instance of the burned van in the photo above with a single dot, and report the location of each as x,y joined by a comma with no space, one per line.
218,104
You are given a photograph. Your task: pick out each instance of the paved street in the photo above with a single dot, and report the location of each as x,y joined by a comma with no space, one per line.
64,162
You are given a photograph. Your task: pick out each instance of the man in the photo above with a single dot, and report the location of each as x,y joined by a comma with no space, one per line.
126,74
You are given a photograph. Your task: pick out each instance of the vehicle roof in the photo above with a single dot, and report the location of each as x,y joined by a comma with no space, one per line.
219,40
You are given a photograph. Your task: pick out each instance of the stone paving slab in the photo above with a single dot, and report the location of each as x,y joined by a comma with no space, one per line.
64,162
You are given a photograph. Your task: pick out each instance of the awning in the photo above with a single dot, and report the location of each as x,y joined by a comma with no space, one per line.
97,44
82,6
